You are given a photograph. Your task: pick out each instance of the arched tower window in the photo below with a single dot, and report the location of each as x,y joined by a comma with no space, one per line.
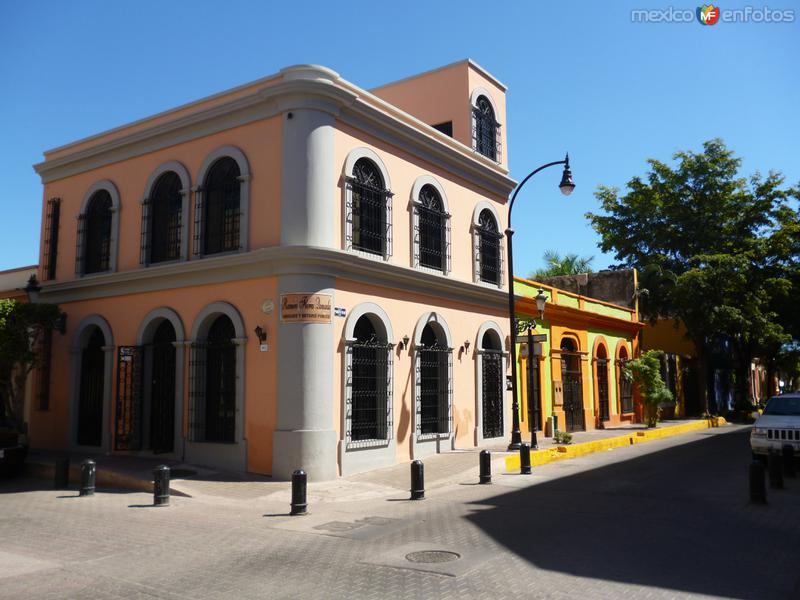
485,128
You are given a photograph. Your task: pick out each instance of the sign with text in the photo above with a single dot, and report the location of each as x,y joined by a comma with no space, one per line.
306,308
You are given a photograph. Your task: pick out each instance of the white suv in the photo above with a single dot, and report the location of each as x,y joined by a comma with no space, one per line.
778,426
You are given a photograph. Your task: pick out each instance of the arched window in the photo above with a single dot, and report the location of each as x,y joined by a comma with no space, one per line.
96,233
92,390
625,384
572,385
488,254
485,128
601,380
162,219
491,385
369,209
221,210
432,226
369,378
435,386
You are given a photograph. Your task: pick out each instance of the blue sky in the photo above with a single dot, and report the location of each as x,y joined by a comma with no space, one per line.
582,77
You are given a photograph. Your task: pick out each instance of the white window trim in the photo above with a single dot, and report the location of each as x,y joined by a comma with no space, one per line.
186,199
420,182
347,201
474,226
107,185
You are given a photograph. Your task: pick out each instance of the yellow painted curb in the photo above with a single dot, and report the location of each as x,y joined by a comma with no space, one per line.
542,457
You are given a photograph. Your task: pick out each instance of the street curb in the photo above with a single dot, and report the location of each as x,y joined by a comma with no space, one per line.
543,457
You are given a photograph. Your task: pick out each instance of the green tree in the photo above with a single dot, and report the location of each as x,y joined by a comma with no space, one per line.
717,250
645,371
569,264
22,329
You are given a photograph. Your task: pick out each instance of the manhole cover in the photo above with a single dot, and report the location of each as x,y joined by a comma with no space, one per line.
432,556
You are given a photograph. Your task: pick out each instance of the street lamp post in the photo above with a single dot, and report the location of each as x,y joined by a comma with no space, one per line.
566,186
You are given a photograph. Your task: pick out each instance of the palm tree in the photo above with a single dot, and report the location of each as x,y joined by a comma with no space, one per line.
569,264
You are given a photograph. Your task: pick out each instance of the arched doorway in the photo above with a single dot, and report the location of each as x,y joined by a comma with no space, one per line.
491,385
369,394
434,383
162,388
220,382
572,382
625,384
601,380
92,390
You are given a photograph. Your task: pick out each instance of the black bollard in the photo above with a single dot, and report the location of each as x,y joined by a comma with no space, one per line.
775,471
299,487
524,459
88,472
417,480
758,489
788,460
161,486
62,473
486,467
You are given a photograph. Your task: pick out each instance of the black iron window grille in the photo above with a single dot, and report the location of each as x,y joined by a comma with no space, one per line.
369,210
52,218
161,221
130,378
492,392
488,250
435,386
572,387
431,231
602,388
46,356
625,389
212,396
486,130
369,393
218,210
92,391
93,252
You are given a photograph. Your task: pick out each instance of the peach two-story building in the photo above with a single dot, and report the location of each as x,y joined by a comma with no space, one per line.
292,273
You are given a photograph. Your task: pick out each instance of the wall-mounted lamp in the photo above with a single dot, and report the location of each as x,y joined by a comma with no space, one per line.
261,334
32,289
403,343
465,346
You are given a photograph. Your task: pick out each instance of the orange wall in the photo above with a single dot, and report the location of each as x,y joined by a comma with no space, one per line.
262,145
125,314
668,335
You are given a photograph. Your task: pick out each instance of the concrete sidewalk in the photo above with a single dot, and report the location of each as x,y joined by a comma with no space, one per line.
135,473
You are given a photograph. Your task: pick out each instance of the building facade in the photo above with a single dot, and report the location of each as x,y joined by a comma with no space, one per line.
293,273
573,380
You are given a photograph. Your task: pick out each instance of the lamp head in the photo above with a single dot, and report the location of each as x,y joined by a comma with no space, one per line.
32,289
567,185
541,301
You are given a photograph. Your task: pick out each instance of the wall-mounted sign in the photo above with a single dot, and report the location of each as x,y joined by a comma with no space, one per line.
306,308
339,311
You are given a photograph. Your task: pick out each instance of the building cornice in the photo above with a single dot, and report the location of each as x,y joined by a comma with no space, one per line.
270,262
575,316
299,87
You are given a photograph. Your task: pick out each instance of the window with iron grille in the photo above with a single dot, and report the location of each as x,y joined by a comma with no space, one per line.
52,218
434,386
602,388
218,209
431,231
93,253
625,389
488,253
369,209
485,129
212,364
161,220
369,388
46,353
